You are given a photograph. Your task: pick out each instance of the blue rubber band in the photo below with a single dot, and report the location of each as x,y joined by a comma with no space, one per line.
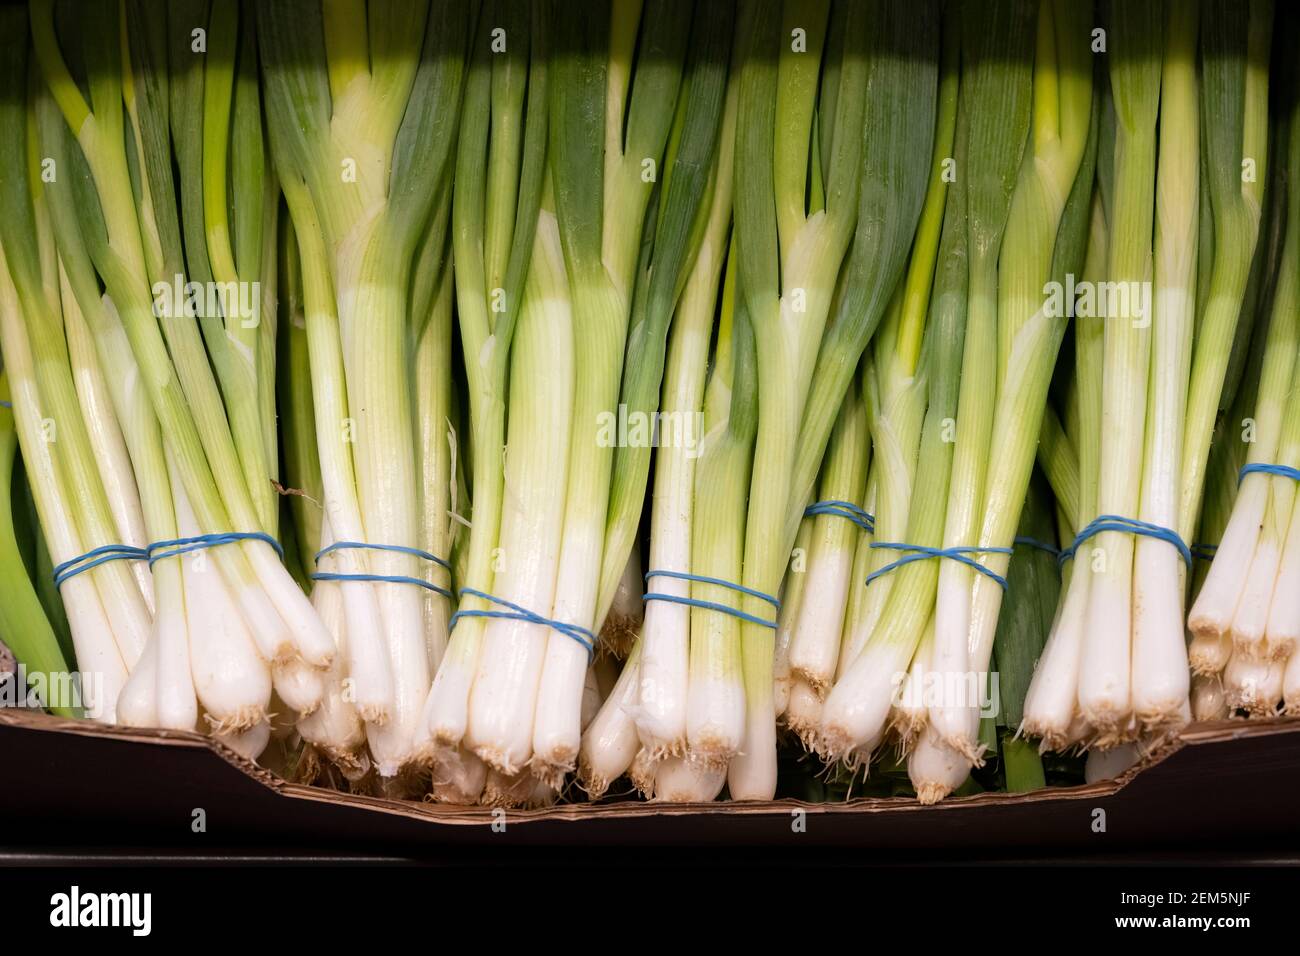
517,613
388,578
843,509
922,553
160,550
1029,542
399,548
93,559
150,552
1128,526
1205,552
5,404
1259,467
711,605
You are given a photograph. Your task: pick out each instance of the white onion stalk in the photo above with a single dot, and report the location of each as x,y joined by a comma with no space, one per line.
1235,50
1207,698
934,768
610,742
715,716
591,697
249,744
814,650
642,773
431,317
505,690
856,711
791,600
335,728
232,682
682,780
1105,669
911,700
668,643
508,790
1291,686
1283,628
861,599
368,667
458,777
895,394
803,714
298,685
1052,700
33,276
177,704
137,703
627,611
106,434
1253,685
857,707
153,480
1160,677
1250,622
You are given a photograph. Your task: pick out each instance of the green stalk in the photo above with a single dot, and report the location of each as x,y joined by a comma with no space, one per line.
434,435
302,468
905,116
40,566
23,625
1060,464
233,159
815,648
716,708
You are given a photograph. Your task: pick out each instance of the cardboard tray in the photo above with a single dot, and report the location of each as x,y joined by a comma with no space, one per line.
1226,782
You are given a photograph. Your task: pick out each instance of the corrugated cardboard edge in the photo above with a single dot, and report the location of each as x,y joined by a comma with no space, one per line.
1215,732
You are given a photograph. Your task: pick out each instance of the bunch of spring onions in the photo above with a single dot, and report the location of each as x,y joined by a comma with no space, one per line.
1115,672
1246,616
154,434
987,332
474,396
363,108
